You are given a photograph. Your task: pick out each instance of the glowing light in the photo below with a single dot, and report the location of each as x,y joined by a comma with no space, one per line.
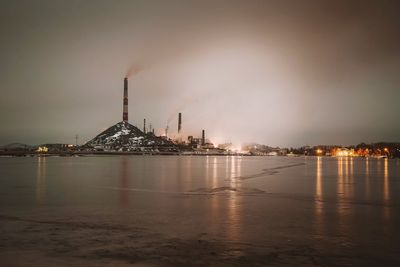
342,153
345,152
42,149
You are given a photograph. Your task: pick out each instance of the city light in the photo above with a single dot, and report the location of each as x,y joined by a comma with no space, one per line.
42,149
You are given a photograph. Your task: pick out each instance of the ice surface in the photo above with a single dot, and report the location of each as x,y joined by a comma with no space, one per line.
199,211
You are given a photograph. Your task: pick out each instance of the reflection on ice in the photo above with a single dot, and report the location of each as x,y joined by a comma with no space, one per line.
41,180
215,173
344,193
234,208
367,178
318,187
174,210
319,204
386,193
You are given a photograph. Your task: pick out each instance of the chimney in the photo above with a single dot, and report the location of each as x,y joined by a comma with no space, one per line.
144,125
125,101
179,122
203,138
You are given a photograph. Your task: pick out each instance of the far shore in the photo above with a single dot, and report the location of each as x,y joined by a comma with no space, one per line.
117,153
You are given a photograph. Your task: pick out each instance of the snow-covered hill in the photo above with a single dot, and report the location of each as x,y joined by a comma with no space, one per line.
123,136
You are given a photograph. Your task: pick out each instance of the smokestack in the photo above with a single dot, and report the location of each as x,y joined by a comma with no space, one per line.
144,125
203,138
125,101
179,122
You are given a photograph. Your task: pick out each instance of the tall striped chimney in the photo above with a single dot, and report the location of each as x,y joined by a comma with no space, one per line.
203,137
125,102
179,122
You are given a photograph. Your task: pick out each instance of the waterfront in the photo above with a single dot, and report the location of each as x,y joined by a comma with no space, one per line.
199,211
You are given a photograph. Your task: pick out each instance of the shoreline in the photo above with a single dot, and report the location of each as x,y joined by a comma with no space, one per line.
139,153
116,153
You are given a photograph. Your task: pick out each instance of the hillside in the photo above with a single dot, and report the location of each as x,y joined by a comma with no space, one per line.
123,136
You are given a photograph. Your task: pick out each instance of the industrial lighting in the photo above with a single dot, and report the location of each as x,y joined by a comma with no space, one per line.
342,153
42,149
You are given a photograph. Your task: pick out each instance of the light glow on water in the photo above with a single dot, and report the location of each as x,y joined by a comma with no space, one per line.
41,180
319,204
234,211
367,178
335,201
386,189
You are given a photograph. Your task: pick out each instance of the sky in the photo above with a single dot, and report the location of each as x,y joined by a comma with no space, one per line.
281,73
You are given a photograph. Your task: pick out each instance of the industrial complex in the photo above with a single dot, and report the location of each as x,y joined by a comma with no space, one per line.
125,138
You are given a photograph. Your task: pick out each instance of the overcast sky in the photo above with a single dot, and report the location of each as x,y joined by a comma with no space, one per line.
282,73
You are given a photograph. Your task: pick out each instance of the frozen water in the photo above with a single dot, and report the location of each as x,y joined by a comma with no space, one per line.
199,211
